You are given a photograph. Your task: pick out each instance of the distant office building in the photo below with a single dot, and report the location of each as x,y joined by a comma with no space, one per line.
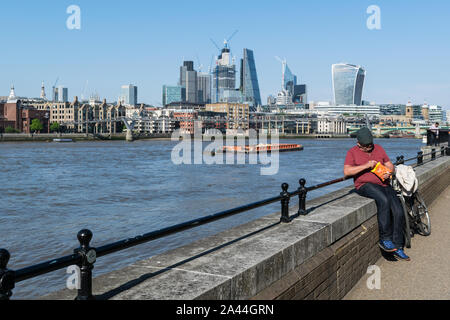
231,96
249,80
348,83
188,79
173,94
289,80
223,74
351,110
300,95
392,109
204,87
62,94
129,95
436,114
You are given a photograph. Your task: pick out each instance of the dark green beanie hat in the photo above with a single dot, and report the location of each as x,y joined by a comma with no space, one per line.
364,136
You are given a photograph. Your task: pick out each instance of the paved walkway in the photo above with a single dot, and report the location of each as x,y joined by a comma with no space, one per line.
427,276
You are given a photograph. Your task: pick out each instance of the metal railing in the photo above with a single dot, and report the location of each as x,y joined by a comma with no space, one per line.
85,256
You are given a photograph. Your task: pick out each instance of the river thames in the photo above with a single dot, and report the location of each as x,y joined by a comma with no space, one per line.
119,190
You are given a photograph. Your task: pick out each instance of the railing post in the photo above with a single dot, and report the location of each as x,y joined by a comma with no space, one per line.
420,158
7,282
88,258
302,198
285,204
433,154
400,160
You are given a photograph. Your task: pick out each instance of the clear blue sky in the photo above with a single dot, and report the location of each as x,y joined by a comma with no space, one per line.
144,43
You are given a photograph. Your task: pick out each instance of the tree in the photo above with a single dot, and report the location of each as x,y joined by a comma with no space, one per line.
10,130
36,125
55,127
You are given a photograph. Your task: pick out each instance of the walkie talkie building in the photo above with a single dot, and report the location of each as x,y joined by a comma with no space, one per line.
348,83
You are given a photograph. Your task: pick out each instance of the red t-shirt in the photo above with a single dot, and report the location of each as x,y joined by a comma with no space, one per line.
357,157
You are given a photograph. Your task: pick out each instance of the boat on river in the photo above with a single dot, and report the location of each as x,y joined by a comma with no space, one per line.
62,140
262,148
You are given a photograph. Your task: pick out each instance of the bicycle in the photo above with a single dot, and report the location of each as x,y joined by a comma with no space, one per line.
416,213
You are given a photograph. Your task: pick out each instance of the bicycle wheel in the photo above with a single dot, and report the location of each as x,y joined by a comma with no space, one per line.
422,218
407,230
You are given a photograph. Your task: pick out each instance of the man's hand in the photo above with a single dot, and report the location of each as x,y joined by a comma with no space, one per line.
371,164
350,171
387,176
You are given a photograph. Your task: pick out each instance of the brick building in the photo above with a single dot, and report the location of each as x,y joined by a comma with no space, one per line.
13,114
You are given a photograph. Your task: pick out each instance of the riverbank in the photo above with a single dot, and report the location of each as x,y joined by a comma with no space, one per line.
21,137
44,137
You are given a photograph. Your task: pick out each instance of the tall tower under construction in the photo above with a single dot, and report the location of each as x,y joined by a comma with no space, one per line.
224,74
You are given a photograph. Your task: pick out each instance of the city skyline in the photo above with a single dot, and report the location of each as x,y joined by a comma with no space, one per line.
405,61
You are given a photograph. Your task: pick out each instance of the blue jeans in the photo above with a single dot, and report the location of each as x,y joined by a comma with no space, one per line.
391,227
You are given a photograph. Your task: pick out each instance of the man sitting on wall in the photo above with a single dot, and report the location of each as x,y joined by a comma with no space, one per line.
359,163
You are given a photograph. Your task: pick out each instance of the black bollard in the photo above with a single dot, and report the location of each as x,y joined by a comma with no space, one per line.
302,198
285,204
88,258
7,281
420,158
433,154
400,160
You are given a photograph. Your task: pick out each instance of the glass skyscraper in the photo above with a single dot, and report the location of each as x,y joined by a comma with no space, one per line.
249,80
348,83
173,94
188,79
129,95
289,79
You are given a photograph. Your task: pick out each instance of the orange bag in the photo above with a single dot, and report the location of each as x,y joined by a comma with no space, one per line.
380,171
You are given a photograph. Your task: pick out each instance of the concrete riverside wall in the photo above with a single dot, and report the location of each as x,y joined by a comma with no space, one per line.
319,256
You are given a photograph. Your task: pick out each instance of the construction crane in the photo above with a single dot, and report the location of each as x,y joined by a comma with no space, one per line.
54,88
200,66
83,93
226,41
215,44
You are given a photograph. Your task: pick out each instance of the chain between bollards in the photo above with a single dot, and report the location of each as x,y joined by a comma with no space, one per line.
302,198
88,258
285,204
7,281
